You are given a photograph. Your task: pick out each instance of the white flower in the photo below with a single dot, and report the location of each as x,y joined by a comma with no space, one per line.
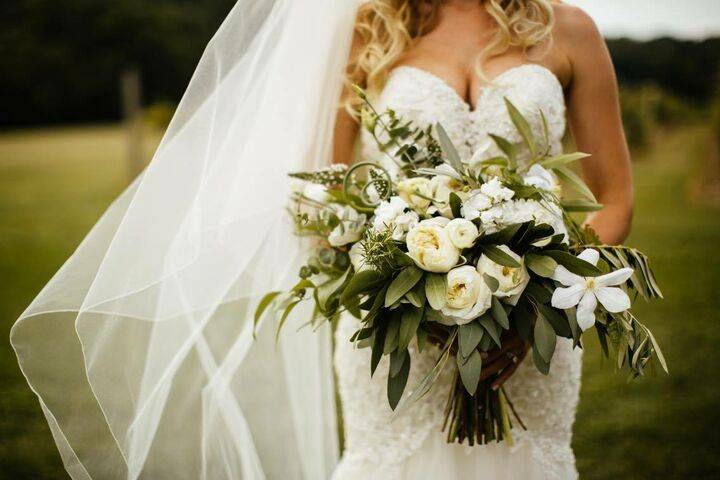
486,150
416,192
391,215
403,224
429,245
585,292
494,189
463,233
350,228
439,221
467,296
539,177
316,193
442,186
357,257
512,280
475,204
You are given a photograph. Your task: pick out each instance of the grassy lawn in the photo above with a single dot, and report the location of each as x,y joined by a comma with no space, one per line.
54,184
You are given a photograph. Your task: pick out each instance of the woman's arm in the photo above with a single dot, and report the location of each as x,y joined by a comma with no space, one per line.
596,124
346,129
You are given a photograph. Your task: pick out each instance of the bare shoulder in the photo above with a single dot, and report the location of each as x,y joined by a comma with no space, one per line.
575,29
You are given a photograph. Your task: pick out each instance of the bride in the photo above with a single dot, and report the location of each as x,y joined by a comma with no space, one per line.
143,350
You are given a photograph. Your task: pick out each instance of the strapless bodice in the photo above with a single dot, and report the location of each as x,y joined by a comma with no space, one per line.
418,95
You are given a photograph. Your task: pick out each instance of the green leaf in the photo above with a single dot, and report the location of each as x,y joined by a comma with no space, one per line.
658,352
409,323
436,290
427,382
455,205
523,316
499,256
328,289
396,384
402,284
574,326
540,363
362,282
492,282
491,327
522,126
545,339
540,265
263,305
469,337
501,237
559,322
391,336
416,295
574,264
506,147
564,159
377,349
422,335
575,182
397,360
470,371
284,317
499,313
581,206
449,149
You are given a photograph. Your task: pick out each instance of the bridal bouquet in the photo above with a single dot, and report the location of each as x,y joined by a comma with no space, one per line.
479,258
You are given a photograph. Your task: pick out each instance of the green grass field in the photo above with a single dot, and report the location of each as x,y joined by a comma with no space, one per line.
55,183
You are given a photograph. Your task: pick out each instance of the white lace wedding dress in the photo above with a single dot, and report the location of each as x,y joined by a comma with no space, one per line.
412,446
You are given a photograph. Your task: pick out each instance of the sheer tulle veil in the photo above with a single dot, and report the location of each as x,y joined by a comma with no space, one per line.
141,348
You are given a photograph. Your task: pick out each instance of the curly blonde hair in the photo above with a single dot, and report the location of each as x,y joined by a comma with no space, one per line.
386,29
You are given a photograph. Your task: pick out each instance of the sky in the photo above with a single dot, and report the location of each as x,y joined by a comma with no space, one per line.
643,19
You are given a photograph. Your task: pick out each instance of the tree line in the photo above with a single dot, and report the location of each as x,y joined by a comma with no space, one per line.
62,60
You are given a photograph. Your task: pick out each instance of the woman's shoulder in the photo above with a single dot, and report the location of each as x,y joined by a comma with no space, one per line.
574,25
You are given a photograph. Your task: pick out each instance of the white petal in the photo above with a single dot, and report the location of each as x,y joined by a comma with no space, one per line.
568,297
617,277
614,299
586,311
590,255
566,277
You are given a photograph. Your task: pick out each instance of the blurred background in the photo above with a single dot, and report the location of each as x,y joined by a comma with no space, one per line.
87,88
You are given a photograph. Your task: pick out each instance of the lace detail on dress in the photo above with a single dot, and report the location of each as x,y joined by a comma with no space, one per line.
377,443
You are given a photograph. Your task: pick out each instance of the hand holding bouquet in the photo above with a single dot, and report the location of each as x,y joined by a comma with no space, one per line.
479,257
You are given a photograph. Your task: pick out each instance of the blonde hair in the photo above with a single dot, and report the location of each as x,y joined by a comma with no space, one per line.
386,29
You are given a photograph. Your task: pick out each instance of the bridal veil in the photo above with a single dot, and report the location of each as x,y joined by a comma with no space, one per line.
141,348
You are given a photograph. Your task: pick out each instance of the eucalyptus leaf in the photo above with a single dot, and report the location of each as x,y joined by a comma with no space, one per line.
574,264
575,182
397,360
455,205
499,313
540,363
284,317
396,384
392,336
564,159
263,305
469,337
453,157
499,256
406,279
522,126
541,265
545,338
409,322
558,321
436,290
501,237
492,282
362,282
491,327
581,206
523,316
470,370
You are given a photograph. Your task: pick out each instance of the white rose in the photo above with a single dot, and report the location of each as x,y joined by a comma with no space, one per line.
350,228
463,233
416,192
429,245
512,280
494,189
439,221
475,204
468,296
